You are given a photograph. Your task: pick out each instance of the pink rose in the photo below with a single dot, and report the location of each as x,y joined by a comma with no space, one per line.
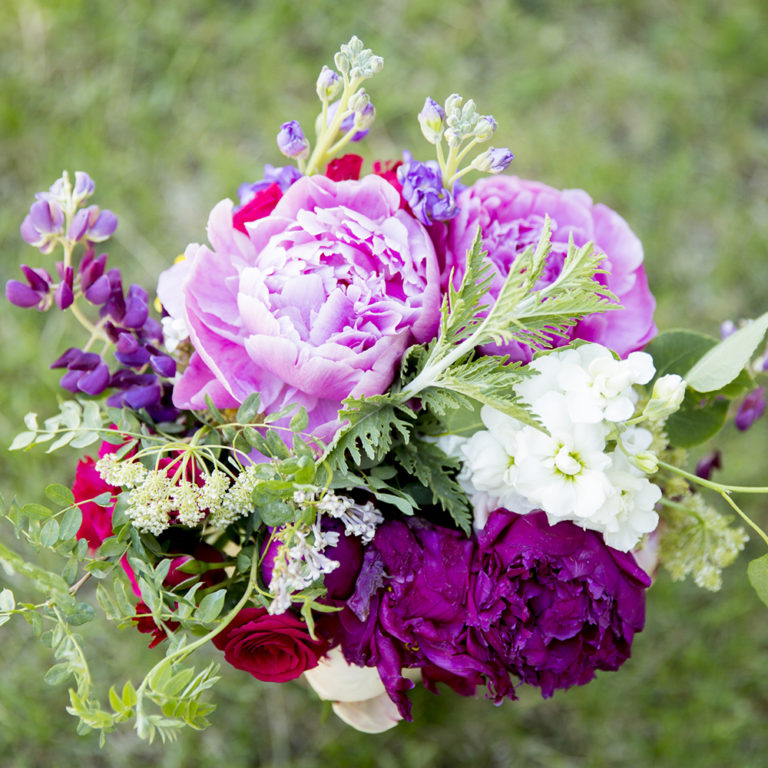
510,212
272,648
318,301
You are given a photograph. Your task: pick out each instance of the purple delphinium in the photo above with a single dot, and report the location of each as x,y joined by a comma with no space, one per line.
409,609
750,410
554,603
424,192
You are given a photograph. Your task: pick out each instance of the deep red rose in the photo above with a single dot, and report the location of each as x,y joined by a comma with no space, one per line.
272,648
97,520
344,168
260,206
146,624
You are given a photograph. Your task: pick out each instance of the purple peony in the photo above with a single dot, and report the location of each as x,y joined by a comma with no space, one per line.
554,603
410,610
318,301
510,212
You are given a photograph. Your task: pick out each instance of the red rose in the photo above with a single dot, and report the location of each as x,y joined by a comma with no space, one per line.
97,520
272,648
262,205
146,624
344,168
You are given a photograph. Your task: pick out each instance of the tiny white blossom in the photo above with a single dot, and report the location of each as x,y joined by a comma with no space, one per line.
175,331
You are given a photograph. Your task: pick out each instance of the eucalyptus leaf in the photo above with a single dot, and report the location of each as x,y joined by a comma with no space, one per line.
723,363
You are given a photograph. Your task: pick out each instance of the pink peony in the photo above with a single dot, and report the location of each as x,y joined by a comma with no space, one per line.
317,302
510,212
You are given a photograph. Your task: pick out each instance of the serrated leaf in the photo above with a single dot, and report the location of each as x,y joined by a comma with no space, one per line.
60,494
757,573
49,534
723,363
70,523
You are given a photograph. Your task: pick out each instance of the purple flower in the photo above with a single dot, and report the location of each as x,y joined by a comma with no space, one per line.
284,177
34,293
84,186
43,225
93,224
708,464
494,160
751,409
510,212
291,140
86,371
554,603
431,120
410,609
64,294
348,123
424,192
317,302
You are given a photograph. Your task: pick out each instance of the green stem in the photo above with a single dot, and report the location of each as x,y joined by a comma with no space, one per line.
744,517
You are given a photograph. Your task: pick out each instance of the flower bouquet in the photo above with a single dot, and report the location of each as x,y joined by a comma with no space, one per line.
385,428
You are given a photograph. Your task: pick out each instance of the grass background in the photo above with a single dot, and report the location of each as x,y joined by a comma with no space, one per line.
657,108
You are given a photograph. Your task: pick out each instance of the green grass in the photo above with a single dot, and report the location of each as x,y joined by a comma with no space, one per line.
656,107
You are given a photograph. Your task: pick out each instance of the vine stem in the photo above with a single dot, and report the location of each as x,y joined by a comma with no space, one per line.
725,491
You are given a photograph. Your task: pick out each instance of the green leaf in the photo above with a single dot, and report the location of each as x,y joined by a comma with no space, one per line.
103,499
81,613
49,535
299,420
757,573
84,439
60,494
723,363
276,513
36,511
7,600
58,673
697,420
210,606
22,440
70,523
65,439
250,408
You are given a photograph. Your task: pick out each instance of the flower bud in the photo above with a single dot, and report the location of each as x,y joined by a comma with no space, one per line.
493,160
359,100
342,62
666,397
647,461
453,105
329,84
83,188
751,409
364,120
485,128
291,140
431,120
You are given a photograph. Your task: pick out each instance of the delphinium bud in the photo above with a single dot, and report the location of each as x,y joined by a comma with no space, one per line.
432,120
291,140
493,160
329,84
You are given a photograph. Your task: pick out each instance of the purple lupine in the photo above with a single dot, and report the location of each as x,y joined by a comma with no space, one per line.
424,192
750,410
708,464
86,371
43,225
64,294
291,140
34,293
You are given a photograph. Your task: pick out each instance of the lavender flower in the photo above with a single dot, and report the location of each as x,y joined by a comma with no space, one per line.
750,410
423,190
291,140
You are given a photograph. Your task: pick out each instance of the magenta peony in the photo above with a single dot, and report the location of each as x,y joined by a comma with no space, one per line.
317,302
510,212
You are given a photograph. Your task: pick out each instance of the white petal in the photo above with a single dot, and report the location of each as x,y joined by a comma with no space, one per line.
370,716
334,679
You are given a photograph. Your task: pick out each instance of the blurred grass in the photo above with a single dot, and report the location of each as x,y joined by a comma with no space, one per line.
659,109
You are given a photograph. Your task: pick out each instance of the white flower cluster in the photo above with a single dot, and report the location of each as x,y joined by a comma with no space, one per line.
300,562
154,496
588,466
359,520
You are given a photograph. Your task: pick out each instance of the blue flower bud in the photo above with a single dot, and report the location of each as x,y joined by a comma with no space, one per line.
329,84
493,160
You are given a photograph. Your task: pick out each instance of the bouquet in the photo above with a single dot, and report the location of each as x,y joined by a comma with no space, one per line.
384,429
